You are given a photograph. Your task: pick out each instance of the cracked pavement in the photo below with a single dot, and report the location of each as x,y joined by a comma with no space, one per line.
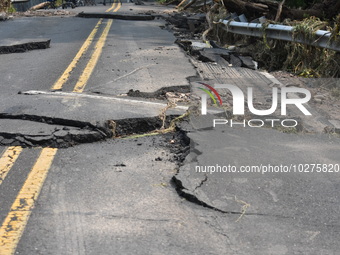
287,208
141,194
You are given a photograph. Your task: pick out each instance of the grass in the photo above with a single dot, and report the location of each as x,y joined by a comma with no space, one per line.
171,128
11,9
162,1
335,92
304,60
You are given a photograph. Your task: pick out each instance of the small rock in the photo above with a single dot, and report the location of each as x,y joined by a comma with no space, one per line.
248,62
328,130
232,48
322,97
3,16
336,124
235,61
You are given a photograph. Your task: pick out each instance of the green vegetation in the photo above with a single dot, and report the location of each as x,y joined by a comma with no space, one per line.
162,1
11,9
59,3
304,60
335,92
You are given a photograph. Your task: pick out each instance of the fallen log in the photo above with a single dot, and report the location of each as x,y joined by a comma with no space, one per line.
183,2
189,4
327,9
249,9
209,21
279,11
39,6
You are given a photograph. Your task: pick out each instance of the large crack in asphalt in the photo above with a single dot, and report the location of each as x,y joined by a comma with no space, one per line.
138,126
32,130
62,133
189,186
160,93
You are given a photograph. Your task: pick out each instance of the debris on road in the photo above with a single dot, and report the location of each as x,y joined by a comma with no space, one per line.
39,6
205,52
43,13
188,28
11,46
121,16
3,16
163,93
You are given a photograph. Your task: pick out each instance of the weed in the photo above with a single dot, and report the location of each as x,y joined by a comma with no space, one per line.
11,9
291,130
162,1
304,60
335,92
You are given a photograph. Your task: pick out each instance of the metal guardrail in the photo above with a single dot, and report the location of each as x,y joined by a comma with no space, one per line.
321,38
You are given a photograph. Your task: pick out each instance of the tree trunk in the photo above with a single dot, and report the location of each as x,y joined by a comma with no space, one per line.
247,8
39,6
327,9
279,11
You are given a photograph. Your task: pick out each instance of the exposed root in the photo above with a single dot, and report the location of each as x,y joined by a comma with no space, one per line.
243,209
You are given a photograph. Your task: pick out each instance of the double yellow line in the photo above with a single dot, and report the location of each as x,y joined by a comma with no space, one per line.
115,6
16,220
18,216
85,76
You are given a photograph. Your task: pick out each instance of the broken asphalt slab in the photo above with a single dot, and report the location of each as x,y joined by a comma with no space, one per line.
210,52
285,205
22,45
31,130
122,16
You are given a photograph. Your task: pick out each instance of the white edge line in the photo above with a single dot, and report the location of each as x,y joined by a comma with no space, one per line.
74,94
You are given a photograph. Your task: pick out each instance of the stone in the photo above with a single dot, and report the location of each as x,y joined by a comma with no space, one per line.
3,16
248,62
235,61
336,124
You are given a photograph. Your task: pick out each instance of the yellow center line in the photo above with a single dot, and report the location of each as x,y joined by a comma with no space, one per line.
65,76
81,83
113,6
16,221
118,7
7,161
85,76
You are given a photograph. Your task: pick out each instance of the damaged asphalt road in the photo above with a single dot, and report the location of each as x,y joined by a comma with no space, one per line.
93,177
29,131
290,207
